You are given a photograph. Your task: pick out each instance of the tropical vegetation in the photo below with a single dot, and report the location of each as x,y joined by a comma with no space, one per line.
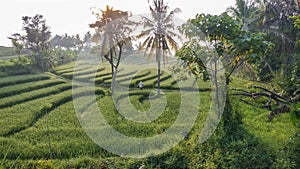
256,41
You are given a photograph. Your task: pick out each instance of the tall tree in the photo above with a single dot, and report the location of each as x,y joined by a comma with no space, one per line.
231,42
278,18
158,33
232,45
114,27
37,39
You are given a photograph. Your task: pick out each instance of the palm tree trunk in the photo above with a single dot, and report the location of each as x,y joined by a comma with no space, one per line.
158,63
158,77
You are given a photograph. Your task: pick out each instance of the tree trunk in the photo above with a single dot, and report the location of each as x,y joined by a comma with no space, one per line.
216,81
158,51
112,70
158,63
158,78
113,82
116,66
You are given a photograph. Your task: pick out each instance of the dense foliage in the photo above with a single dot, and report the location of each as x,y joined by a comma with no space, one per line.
233,44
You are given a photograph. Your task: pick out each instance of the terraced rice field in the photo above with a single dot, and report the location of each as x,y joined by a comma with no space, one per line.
36,109
39,122
39,117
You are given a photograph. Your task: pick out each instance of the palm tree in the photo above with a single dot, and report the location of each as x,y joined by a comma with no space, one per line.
158,34
273,18
269,16
251,13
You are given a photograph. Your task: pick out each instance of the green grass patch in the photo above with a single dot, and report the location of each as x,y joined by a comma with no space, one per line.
38,122
13,80
27,87
131,128
22,116
32,95
275,133
68,66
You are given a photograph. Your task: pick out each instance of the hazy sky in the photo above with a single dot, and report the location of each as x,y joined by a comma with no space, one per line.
73,16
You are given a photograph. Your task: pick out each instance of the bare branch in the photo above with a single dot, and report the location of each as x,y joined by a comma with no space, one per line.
271,92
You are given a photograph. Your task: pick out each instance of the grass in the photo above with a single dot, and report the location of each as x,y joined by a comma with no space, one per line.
277,132
20,116
131,128
32,95
29,102
13,80
27,87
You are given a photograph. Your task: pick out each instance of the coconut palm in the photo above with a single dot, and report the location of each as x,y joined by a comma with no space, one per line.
269,16
158,34
251,13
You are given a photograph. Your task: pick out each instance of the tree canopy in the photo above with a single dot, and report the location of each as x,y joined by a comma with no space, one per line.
113,28
36,39
231,42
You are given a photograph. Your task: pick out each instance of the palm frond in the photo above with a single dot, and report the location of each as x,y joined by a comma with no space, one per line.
150,42
145,33
141,35
143,46
277,33
148,22
152,50
174,45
